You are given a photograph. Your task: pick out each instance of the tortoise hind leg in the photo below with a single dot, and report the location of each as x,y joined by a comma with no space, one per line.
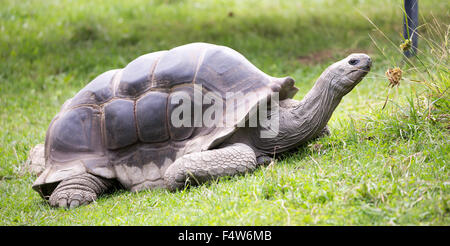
207,165
79,190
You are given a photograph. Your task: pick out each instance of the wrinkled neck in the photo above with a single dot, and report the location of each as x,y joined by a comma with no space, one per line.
302,121
316,108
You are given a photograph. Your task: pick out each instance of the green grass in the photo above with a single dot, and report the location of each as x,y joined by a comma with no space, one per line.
379,167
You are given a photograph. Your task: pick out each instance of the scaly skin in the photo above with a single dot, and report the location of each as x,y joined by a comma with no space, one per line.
203,166
79,190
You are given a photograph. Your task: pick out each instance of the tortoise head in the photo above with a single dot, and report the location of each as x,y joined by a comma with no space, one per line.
345,74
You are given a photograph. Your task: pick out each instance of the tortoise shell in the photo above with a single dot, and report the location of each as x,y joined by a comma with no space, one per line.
119,125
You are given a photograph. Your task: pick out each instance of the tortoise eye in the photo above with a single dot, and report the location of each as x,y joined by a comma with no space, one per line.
353,62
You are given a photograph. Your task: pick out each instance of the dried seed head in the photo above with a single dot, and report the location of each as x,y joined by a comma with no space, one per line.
394,75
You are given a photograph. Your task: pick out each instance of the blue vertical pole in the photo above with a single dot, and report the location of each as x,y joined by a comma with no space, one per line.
410,25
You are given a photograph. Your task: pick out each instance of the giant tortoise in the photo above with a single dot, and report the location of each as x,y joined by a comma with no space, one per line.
145,126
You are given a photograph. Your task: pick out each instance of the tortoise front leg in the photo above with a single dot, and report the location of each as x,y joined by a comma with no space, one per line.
203,166
79,190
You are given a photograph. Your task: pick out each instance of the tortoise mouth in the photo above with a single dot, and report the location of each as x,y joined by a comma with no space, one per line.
357,74
345,83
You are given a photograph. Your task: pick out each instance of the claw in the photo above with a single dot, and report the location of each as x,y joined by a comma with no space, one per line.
74,204
70,199
62,203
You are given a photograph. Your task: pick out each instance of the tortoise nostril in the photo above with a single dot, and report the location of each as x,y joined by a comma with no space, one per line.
353,62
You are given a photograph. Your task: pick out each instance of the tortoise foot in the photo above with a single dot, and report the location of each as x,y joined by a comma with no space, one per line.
79,190
71,198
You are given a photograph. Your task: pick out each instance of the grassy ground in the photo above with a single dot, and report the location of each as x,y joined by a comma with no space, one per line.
379,167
